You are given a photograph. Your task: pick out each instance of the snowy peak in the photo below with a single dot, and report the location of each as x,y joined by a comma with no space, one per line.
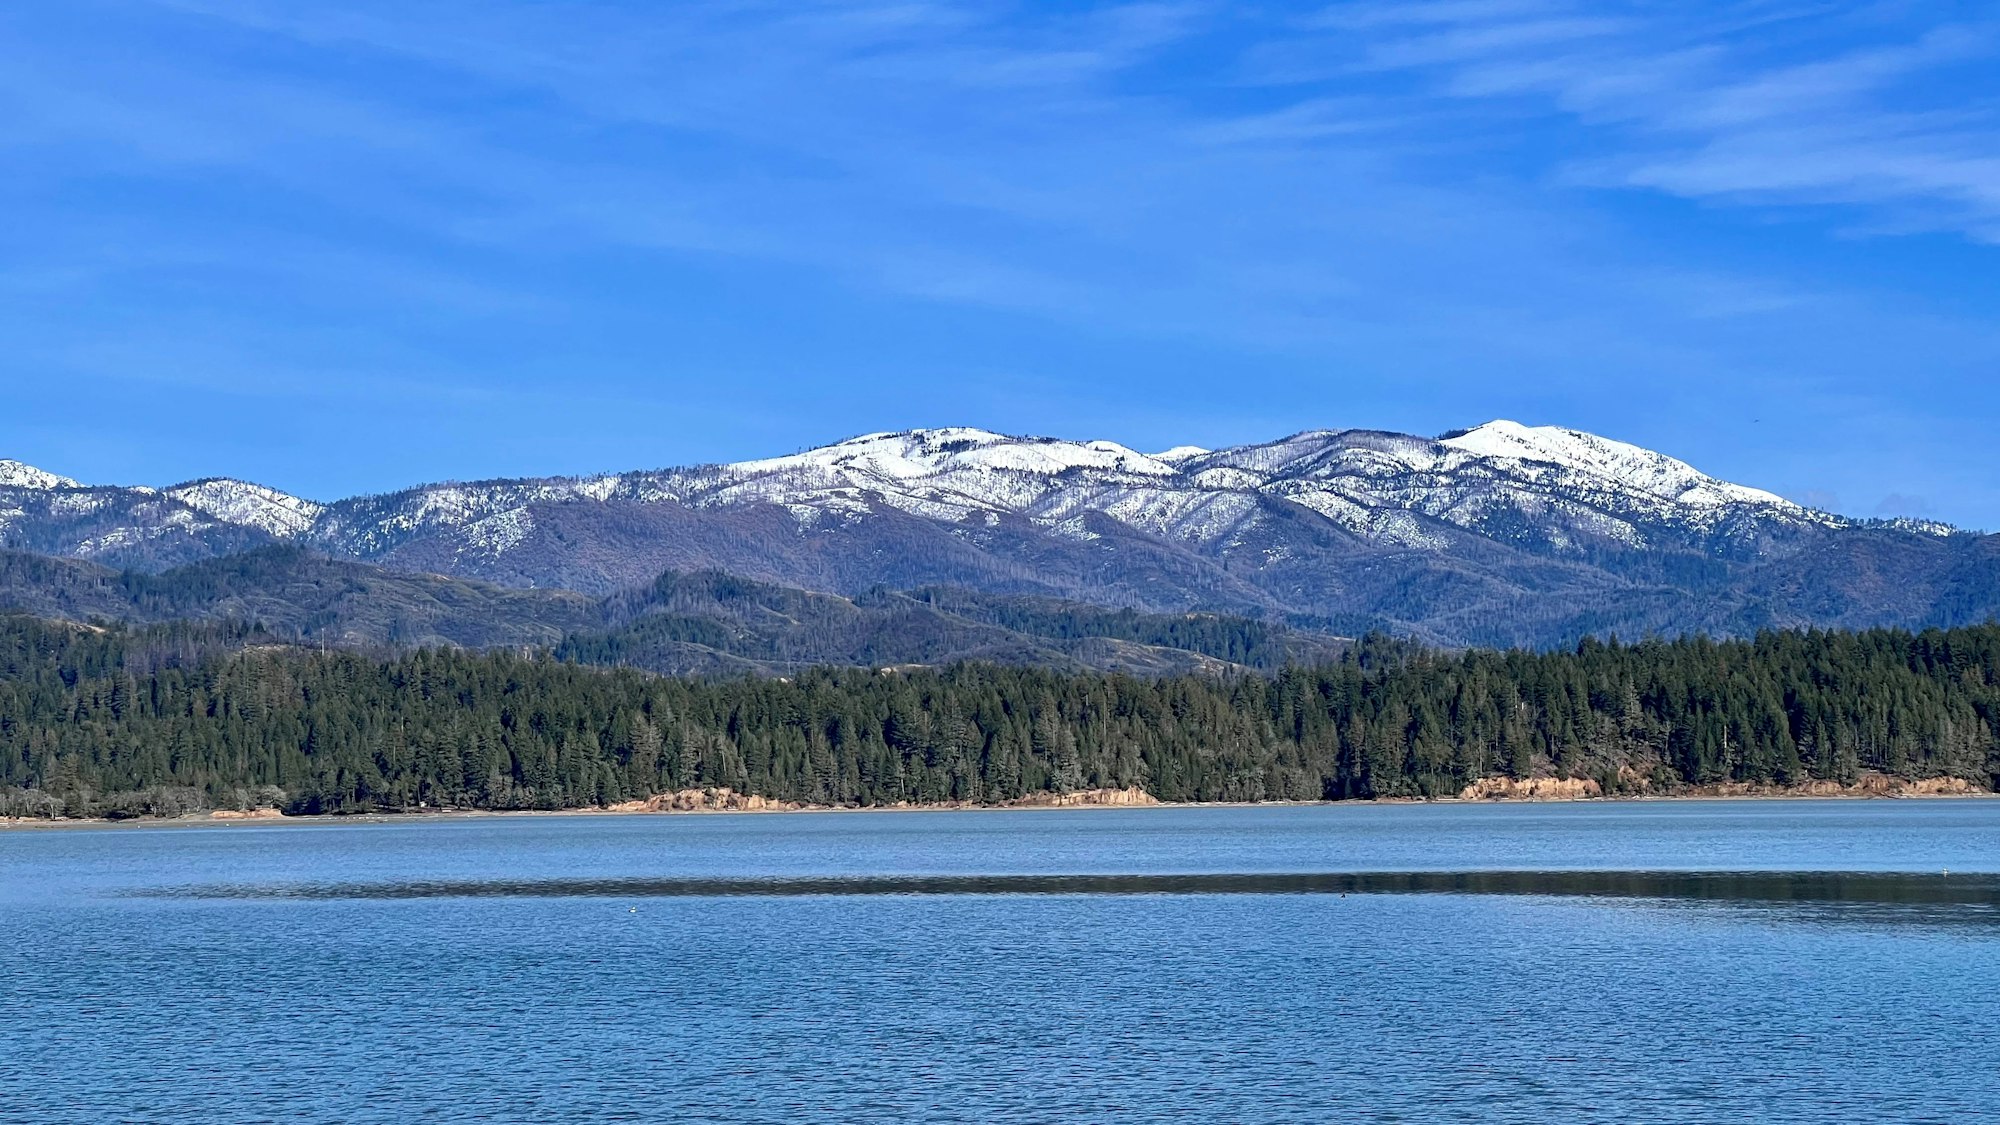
249,505
1626,466
918,454
1552,488
14,474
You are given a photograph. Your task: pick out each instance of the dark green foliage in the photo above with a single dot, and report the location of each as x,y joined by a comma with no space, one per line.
1238,640
709,621
132,720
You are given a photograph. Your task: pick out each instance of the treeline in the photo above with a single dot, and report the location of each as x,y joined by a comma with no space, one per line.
116,720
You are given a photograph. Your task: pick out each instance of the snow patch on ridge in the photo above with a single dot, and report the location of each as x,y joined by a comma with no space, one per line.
497,533
1627,465
249,505
14,474
917,454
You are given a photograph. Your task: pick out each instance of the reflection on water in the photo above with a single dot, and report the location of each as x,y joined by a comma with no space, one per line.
1980,893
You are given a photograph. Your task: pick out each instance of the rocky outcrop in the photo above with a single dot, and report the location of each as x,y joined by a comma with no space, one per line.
1531,789
1866,785
729,800
246,814
1633,784
1939,787
1107,798
718,799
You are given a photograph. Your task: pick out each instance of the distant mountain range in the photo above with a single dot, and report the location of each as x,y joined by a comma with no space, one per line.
1503,534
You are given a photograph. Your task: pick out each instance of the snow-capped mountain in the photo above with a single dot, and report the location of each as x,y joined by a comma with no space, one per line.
1627,466
1502,531
1503,478
14,474
249,505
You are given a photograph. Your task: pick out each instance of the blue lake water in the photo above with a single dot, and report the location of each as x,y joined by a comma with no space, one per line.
1623,962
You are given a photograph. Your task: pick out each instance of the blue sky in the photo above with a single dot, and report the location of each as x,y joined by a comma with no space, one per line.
345,246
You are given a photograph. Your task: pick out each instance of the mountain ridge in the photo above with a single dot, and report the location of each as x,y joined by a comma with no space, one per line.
1497,534
1500,438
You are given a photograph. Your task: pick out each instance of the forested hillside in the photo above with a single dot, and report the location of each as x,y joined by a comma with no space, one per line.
300,595
134,721
705,623
709,622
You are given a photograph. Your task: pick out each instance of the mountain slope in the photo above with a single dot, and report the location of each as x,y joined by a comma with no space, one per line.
296,594
710,621
1501,534
705,623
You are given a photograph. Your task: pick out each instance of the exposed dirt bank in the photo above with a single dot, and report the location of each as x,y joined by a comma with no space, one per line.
729,800
722,800
1531,789
1583,788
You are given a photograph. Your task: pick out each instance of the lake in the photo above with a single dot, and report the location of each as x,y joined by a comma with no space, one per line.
1780,961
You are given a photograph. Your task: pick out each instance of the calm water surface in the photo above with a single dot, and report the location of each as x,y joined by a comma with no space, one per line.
1675,962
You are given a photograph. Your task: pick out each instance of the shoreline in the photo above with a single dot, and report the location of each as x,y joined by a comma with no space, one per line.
229,818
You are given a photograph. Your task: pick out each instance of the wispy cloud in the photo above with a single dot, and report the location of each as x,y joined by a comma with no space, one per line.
1763,104
1379,212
